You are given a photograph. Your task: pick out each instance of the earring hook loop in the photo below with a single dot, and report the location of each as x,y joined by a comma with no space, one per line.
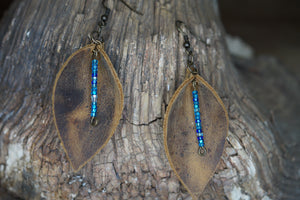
178,24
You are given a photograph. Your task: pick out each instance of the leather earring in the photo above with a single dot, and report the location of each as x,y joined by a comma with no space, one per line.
87,100
195,128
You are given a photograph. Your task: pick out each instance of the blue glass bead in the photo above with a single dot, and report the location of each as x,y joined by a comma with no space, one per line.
195,96
94,71
95,67
94,91
199,127
200,138
195,99
94,62
93,114
196,103
197,117
197,114
199,134
198,121
196,106
198,124
195,92
201,143
94,81
196,109
199,130
93,110
94,74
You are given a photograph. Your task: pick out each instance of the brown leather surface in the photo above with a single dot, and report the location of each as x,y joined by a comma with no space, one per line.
72,102
180,139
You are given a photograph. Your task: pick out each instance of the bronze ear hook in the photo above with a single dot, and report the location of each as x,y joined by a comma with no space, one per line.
186,45
178,24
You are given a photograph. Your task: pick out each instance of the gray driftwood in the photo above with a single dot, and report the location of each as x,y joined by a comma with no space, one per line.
37,36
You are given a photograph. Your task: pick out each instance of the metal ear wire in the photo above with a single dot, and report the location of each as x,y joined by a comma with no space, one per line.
178,24
187,46
103,4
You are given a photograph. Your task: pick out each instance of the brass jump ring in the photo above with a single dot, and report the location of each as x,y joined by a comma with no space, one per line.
94,121
194,84
93,35
202,151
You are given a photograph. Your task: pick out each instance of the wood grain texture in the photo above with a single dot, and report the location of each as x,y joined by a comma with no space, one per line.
37,37
181,145
71,105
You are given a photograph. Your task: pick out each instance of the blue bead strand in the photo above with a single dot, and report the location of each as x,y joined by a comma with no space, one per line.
94,95
198,119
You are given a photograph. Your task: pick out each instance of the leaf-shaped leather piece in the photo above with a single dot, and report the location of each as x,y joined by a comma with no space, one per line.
71,101
180,140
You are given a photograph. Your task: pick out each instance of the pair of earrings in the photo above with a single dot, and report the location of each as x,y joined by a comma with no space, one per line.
87,95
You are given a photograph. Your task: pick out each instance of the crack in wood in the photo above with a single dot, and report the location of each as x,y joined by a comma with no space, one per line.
144,124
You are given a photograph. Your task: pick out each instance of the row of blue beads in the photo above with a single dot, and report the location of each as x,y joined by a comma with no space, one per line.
198,119
94,95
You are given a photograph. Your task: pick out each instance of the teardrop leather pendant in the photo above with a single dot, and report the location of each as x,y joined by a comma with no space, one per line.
71,101
180,140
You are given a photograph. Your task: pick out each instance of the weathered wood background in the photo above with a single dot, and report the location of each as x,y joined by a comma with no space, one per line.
146,50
